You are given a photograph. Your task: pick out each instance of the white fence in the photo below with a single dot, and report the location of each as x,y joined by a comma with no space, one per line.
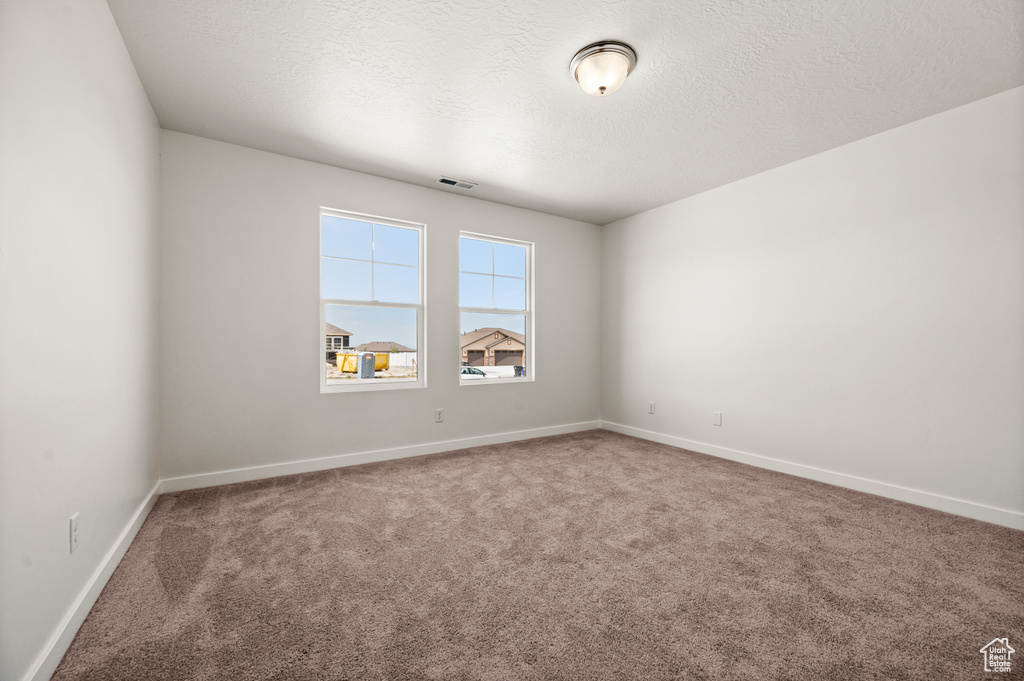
403,359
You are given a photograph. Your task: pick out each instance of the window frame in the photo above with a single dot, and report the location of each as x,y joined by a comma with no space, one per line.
529,355
420,307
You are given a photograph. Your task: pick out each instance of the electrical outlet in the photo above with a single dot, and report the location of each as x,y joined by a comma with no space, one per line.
439,416
650,407
716,418
73,532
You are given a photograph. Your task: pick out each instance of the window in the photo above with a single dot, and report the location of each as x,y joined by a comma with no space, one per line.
371,302
337,339
496,308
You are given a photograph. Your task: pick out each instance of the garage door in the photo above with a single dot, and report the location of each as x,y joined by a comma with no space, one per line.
475,358
507,358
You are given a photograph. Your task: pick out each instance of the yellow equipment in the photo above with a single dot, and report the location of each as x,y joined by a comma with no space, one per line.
349,364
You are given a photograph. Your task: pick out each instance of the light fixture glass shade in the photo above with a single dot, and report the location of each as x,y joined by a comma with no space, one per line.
601,68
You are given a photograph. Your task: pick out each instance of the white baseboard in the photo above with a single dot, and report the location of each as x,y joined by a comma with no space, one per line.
969,509
46,663
305,466
53,652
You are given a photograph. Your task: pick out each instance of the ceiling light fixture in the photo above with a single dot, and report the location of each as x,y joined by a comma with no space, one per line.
601,68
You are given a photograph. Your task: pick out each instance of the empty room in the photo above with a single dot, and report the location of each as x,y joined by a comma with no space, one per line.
511,340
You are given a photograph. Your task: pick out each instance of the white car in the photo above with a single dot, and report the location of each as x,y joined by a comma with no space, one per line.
473,374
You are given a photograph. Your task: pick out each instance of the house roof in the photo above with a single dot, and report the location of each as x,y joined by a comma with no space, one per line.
383,346
332,330
506,341
473,336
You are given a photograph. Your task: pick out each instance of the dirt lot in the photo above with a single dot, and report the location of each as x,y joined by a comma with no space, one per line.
393,372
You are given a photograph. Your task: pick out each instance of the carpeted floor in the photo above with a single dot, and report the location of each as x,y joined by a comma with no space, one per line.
584,556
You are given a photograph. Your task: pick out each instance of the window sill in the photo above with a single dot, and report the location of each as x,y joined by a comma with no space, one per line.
377,384
497,381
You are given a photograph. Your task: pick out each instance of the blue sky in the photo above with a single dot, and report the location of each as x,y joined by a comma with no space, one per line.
398,325
492,274
487,257
344,238
382,261
480,320
366,261
369,324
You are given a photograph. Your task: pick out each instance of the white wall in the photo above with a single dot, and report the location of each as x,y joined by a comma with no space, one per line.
239,249
860,311
78,207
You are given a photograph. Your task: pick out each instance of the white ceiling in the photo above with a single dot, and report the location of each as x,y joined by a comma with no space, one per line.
480,90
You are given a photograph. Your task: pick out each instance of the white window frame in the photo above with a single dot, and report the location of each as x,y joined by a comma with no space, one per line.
335,343
529,360
420,307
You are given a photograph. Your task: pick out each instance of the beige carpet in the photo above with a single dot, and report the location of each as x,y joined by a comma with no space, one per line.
584,556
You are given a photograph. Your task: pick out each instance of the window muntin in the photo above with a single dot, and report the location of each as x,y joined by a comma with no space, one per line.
371,285
335,343
495,304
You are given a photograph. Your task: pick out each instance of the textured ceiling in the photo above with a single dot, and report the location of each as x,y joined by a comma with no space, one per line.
480,90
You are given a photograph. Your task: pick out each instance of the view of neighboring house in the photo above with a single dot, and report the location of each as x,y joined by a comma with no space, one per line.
337,339
493,347
382,346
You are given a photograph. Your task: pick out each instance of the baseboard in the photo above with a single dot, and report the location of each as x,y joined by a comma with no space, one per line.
51,655
969,509
59,642
44,666
248,473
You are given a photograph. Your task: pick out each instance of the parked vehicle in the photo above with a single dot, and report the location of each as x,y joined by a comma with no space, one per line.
499,372
473,374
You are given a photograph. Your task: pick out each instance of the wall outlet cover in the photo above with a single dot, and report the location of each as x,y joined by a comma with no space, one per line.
73,538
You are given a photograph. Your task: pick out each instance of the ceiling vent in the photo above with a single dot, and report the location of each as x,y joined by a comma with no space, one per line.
461,184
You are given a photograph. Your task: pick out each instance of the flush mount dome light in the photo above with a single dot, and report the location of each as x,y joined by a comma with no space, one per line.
601,68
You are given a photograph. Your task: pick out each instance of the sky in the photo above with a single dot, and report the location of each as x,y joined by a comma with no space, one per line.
369,324
398,325
479,320
364,261
492,275
367,261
